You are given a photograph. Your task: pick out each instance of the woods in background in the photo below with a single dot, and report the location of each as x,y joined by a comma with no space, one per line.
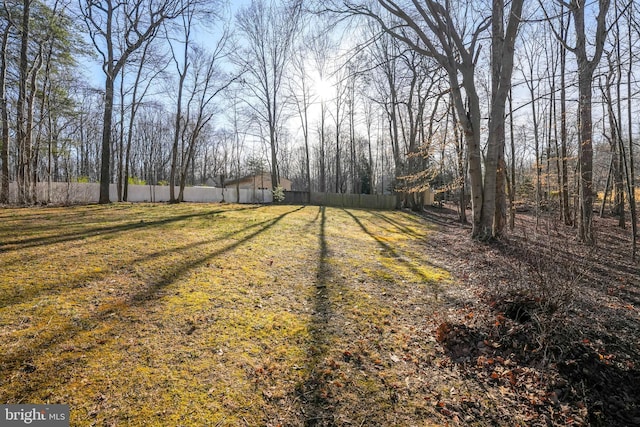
507,106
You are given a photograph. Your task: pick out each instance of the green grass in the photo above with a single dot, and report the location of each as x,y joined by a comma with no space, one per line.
212,314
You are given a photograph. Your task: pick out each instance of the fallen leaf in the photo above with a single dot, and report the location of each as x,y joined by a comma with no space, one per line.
442,331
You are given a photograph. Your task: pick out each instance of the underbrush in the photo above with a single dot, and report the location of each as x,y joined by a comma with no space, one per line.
552,324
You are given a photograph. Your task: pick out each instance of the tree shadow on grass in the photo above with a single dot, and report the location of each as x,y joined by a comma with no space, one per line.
399,226
177,273
391,252
21,363
313,394
322,404
17,244
336,377
443,216
19,295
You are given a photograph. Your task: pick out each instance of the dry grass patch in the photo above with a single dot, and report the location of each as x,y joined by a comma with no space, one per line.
218,314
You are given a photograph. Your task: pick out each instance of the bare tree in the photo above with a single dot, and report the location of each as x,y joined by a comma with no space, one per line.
118,28
421,78
27,75
320,50
341,76
147,70
7,24
629,163
562,36
614,136
588,57
180,43
370,113
450,34
530,64
59,46
385,52
207,82
586,68
181,60
303,97
269,30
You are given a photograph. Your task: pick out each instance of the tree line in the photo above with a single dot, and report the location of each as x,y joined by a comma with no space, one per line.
495,104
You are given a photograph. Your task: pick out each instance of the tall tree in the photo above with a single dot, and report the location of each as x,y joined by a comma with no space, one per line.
7,25
269,30
385,52
586,68
588,55
630,166
303,97
320,51
24,113
562,36
503,39
181,60
148,68
451,34
207,82
60,48
118,28
530,64
341,76
200,80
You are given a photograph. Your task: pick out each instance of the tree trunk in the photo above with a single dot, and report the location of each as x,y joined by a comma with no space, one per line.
585,162
4,118
34,150
607,186
275,178
461,169
631,180
470,124
120,172
502,51
105,161
21,138
536,138
566,209
512,193
176,135
323,172
586,68
615,143
338,101
108,68
307,156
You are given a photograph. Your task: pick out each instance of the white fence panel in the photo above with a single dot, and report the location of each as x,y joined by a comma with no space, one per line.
82,193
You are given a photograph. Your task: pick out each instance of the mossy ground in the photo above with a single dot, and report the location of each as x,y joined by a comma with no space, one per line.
217,314
229,315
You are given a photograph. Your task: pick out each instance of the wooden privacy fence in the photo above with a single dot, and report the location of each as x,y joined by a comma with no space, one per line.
341,200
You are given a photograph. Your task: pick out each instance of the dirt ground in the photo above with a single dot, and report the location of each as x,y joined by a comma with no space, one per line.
550,323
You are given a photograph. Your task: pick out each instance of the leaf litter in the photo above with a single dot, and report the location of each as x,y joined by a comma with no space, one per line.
281,315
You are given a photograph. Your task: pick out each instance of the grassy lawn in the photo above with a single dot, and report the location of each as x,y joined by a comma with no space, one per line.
220,315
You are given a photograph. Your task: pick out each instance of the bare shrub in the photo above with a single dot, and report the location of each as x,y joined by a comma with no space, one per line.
543,288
